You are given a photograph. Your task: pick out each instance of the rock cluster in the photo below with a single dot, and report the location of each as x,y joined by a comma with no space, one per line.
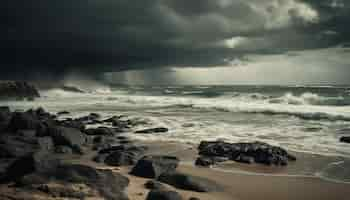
258,152
18,90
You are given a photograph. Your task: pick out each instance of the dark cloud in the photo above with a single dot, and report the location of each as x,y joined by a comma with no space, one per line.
93,36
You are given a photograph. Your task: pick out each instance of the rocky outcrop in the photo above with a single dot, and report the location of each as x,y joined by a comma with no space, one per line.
154,166
17,90
257,152
189,182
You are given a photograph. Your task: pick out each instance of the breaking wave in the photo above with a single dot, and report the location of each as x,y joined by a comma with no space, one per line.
309,98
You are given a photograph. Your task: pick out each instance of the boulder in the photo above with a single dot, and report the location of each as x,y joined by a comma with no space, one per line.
153,130
110,185
154,166
345,139
189,182
257,152
163,195
17,90
23,120
67,137
39,162
12,146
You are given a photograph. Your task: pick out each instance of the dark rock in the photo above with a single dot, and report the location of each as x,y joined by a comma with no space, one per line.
64,191
122,158
100,158
70,123
194,198
154,185
112,119
247,152
189,182
5,113
345,139
244,159
71,89
163,195
23,120
153,130
99,131
45,144
63,150
5,116
154,166
110,185
67,137
17,90
26,133
39,162
207,161
17,146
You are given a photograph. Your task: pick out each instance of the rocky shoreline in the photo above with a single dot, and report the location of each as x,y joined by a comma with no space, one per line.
37,147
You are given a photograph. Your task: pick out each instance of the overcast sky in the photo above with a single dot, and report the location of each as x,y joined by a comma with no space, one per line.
177,41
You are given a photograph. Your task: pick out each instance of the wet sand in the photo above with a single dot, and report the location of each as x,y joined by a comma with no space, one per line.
294,182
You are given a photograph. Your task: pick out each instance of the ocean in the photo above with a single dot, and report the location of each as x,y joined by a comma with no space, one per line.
308,119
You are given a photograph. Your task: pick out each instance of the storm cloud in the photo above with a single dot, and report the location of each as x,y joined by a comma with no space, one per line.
96,36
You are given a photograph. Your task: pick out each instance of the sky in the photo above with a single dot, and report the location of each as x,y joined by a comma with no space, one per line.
177,41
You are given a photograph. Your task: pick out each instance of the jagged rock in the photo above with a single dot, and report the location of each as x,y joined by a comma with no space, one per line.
17,90
154,185
154,166
345,139
153,130
257,152
189,182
